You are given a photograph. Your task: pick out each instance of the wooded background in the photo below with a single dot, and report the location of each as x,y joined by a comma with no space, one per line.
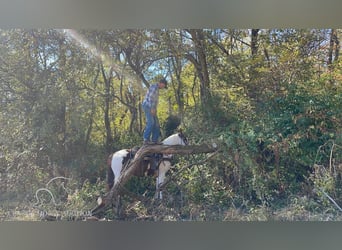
272,97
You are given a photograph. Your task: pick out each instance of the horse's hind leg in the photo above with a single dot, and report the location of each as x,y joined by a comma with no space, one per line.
110,178
110,173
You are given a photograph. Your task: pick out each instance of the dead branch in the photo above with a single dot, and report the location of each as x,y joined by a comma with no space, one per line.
331,199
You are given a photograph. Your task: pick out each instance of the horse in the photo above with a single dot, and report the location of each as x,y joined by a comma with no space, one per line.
152,165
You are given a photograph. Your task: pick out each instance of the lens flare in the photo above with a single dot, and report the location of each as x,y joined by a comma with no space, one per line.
117,67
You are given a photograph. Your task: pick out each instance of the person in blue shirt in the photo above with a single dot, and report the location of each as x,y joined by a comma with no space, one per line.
149,106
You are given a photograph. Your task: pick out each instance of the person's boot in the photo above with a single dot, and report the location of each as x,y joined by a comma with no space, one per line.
147,142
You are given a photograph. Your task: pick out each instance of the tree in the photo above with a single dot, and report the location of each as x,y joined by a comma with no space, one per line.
199,59
174,43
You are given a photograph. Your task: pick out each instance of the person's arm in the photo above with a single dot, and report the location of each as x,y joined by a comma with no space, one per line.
154,99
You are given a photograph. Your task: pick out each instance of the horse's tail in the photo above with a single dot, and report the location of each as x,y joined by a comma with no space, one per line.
110,173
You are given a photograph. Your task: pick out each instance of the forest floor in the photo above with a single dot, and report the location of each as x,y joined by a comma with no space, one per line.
18,211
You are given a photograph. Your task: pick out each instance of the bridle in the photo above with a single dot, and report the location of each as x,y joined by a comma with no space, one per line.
183,137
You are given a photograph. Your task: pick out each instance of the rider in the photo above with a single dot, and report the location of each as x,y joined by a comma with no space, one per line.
149,106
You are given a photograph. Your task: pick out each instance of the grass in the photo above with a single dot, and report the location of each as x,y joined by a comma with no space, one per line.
298,210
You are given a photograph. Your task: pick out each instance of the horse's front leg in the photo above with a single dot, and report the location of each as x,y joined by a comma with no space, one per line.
163,168
158,194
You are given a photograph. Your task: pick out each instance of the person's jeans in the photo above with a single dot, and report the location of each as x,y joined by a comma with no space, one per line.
152,125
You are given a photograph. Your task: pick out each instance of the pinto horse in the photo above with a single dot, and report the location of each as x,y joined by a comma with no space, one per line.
153,165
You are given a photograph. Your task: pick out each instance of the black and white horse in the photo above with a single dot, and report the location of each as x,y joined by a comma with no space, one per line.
162,162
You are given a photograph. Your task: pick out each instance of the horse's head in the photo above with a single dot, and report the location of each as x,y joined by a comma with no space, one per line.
184,140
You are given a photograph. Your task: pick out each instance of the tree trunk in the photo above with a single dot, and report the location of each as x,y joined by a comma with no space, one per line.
254,42
253,74
332,57
109,138
200,63
333,45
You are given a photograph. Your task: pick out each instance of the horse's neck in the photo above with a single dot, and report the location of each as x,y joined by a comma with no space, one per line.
172,140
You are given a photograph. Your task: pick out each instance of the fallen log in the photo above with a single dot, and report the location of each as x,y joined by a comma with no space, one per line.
128,171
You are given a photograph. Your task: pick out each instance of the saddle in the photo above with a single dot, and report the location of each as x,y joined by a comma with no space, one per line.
150,162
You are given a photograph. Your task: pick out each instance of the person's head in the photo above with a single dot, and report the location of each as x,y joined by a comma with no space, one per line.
163,83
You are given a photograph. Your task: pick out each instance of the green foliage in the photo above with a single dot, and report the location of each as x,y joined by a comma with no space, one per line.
84,198
141,186
305,120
